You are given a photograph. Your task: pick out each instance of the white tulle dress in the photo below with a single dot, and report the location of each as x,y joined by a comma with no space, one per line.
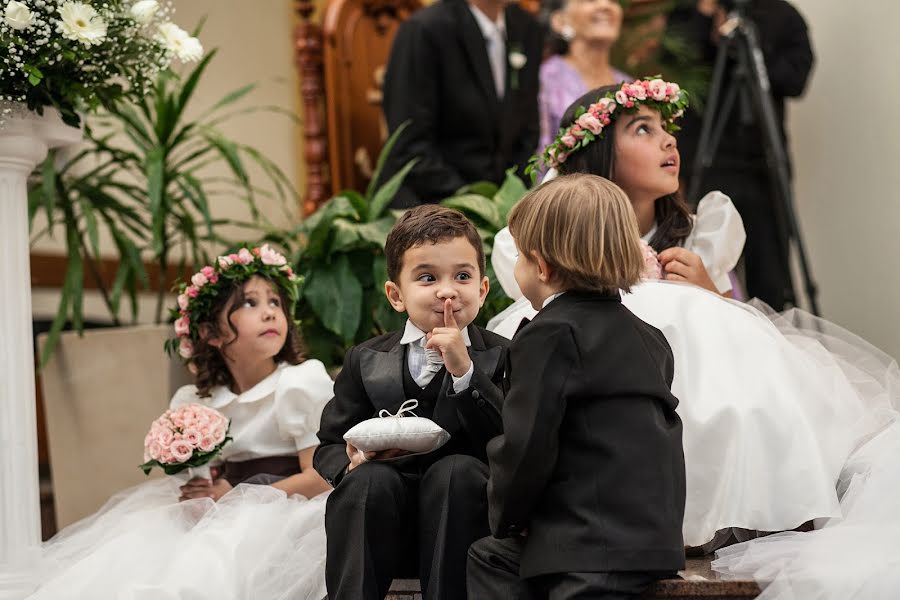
256,542
772,405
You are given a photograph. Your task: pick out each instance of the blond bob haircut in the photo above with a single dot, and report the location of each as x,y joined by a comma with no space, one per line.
584,227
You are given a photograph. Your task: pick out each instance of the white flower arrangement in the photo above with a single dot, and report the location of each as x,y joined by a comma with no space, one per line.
77,56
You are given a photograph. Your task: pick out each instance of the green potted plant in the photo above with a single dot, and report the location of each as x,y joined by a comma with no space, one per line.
341,256
143,180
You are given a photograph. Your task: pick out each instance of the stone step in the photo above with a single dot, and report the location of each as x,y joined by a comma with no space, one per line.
697,582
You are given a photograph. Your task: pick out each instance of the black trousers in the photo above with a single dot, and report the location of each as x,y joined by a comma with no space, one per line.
766,251
383,524
493,572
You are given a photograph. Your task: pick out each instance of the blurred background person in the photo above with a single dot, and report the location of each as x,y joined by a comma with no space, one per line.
581,35
739,166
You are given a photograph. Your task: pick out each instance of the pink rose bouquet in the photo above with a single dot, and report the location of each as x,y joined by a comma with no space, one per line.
185,437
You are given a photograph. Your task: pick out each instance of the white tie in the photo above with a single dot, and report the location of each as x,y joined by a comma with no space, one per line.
433,363
496,47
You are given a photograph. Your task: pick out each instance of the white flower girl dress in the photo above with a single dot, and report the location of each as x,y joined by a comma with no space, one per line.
256,542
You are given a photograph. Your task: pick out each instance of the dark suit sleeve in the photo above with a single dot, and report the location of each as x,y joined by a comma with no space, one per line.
523,458
349,406
789,57
411,93
479,406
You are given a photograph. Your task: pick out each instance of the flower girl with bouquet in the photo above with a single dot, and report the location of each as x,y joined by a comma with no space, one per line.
254,527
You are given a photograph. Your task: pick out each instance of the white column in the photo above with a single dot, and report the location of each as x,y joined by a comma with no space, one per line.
24,141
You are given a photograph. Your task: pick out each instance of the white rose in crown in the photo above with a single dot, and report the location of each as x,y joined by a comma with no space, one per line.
18,16
517,60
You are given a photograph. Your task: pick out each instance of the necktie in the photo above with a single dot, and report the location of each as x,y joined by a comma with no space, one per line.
433,363
496,47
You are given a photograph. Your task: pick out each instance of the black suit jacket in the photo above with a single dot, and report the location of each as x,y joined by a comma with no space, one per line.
372,379
590,461
439,78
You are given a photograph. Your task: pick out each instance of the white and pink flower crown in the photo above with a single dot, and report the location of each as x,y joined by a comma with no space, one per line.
667,98
195,299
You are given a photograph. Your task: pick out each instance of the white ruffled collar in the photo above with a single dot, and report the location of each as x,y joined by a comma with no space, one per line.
222,396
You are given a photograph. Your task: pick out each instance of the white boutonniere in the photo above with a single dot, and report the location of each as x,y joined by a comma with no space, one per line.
517,60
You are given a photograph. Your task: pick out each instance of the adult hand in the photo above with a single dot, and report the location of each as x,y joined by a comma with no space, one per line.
679,264
449,341
198,487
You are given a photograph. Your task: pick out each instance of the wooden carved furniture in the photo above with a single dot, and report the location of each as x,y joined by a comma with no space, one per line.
341,68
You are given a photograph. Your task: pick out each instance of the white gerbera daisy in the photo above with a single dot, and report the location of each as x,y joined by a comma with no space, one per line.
81,23
177,41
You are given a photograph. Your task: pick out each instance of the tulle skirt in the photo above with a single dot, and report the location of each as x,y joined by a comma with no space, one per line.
772,405
256,542
855,557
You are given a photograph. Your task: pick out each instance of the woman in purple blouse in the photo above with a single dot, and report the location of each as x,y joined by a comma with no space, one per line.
583,34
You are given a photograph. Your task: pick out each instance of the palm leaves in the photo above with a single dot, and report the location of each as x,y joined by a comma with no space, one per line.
143,182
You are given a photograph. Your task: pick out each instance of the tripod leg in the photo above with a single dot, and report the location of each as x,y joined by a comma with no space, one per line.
776,154
705,150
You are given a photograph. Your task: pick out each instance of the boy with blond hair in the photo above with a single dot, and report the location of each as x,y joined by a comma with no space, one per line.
587,489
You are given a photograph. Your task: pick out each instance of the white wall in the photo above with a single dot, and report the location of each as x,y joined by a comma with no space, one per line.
845,138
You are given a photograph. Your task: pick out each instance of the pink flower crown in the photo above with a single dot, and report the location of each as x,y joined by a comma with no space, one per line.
667,98
195,299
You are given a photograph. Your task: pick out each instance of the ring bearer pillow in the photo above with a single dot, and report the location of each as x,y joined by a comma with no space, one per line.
413,434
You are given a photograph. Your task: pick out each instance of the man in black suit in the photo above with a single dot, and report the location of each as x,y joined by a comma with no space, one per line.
419,514
739,167
465,75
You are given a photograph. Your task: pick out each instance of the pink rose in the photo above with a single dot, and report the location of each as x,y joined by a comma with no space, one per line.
207,443
577,131
652,268
244,257
561,157
208,272
219,434
621,97
658,89
568,140
271,257
154,451
225,262
183,301
181,450
214,278
192,292
185,348
638,92
590,123
182,326
164,437
199,280
192,437
672,90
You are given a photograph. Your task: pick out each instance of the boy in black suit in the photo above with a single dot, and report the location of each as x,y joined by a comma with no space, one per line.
465,74
385,518
587,484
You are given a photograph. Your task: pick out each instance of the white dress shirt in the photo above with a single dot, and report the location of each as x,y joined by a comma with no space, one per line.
494,33
418,359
